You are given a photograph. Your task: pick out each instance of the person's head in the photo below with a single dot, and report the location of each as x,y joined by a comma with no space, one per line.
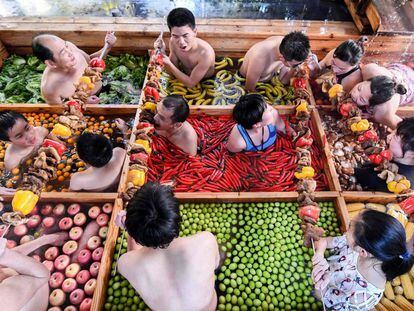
181,23
252,111
401,141
15,128
376,91
347,55
54,52
379,235
171,112
94,149
153,216
294,48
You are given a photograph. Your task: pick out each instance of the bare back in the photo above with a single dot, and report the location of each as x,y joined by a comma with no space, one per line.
180,277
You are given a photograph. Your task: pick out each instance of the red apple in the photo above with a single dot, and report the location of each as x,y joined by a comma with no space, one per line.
83,276
107,208
49,265
103,232
70,247
79,219
57,297
35,211
54,309
102,220
61,262
75,233
90,287
36,257
11,244
59,210
77,296
94,242
70,308
34,221
84,256
65,223
26,239
86,304
94,268
56,280
72,270
46,209
3,230
20,230
51,253
69,285
73,209
48,222
97,254
94,211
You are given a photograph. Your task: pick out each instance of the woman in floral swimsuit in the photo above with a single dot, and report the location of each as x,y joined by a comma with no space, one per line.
372,252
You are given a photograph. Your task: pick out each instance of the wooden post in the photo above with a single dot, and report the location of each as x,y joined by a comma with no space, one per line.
3,53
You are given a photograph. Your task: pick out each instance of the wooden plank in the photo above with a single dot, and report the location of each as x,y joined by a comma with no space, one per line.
330,170
342,213
368,196
359,22
3,53
90,109
373,17
99,295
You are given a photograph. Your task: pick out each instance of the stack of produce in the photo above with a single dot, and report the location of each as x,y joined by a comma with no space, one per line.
225,87
399,293
264,266
74,266
215,169
20,79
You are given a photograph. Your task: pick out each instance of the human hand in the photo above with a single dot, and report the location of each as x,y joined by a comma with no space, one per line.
166,60
59,238
93,99
323,282
121,125
7,191
110,38
319,270
159,44
120,219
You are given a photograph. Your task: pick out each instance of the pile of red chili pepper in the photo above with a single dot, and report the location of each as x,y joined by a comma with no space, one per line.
214,169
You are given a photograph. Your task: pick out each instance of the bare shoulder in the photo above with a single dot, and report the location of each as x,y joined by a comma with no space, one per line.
206,50
120,152
127,261
206,238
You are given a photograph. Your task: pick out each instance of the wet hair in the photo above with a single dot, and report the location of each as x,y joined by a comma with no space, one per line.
41,51
405,130
295,46
249,110
180,17
383,88
153,216
7,121
351,51
180,107
383,236
94,149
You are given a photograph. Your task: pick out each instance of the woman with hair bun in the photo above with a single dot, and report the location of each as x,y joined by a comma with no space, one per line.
383,90
345,62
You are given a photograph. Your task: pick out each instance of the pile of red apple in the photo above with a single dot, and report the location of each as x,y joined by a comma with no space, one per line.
73,278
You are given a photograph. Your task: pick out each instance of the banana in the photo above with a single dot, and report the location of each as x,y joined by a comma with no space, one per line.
199,102
265,87
178,88
213,93
220,65
277,92
179,93
229,61
270,96
207,101
225,78
240,60
221,62
232,96
220,73
239,78
202,95
230,85
240,90
192,96
217,101
191,102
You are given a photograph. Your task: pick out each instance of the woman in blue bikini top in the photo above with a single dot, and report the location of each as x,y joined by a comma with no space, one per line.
257,125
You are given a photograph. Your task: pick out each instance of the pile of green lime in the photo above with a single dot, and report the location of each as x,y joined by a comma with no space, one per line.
266,266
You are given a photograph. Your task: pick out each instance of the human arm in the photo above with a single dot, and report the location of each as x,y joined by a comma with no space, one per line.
51,97
285,74
27,248
386,113
76,183
278,121
110,39
326,61
7,191
235,142
254,71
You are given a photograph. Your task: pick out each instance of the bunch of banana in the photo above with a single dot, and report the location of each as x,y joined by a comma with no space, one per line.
223,63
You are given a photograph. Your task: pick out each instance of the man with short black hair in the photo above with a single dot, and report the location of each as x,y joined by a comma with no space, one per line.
170,122
181,269
187,52
275,56
65,64
105,163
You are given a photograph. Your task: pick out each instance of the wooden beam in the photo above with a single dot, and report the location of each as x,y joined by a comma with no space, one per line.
342,213
368,196
90,109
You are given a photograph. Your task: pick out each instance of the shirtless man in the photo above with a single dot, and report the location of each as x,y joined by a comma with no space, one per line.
195,56
105,163
180,269
275,55
170,122
23,280
65,64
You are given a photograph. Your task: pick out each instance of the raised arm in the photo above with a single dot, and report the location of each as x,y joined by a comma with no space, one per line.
253,74
110,39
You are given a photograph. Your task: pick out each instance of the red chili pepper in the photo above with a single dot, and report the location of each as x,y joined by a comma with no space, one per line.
140,157
376,159
159,60
408,205
346,108
310,211
150,91
74,103
97,62
59,147
304,142
370,135
386,154
299,83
